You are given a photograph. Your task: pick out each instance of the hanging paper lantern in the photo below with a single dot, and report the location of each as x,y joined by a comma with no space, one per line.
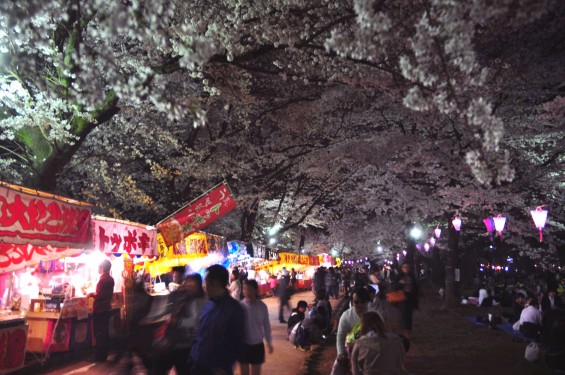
456,223
539,216
427,247
499,223
437,232
489,223
432,241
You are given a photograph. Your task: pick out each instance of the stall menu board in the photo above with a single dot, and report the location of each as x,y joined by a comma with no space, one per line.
117,236
291,258
31,217
12,348
259,251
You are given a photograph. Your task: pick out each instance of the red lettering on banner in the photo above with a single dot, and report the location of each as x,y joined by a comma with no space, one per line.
54,216
143,242
26,219
102,238
130,241
116,242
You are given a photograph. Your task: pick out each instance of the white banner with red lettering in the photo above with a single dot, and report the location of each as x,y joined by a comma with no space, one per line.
116,236
13,257
32,217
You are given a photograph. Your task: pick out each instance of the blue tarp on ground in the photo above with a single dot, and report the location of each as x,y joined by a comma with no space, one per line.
506,327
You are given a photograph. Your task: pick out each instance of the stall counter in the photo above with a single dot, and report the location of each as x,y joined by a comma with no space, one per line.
13,332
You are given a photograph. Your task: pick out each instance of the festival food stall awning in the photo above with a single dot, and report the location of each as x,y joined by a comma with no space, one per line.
198,250
34,227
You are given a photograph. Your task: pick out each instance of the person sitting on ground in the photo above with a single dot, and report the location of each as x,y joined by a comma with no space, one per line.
530,319
517,306
482,299
551,301
377,351
309,331
324,301
297,315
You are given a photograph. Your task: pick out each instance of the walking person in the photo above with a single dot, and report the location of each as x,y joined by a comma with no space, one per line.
219,337
408,284
258,329
283,292
101,310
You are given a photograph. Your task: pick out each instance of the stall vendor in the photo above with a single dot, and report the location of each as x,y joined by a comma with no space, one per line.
101,310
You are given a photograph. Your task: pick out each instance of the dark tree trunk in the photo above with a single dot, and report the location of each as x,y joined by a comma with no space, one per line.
451,300
248,220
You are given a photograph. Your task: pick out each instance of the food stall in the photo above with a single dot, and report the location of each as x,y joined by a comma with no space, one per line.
35,227
197,251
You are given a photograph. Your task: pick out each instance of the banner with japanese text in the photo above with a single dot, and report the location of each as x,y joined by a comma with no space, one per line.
197,214
13,257
117,236
195,245
292,258
32,217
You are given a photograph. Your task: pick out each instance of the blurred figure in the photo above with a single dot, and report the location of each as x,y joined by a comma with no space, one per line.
377,351
219,337
235,284
102,310
188,301
408,284
283,292
258,328
551,301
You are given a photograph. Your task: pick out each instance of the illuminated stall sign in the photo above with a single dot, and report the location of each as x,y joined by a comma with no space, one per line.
31,217
314,260
195,245
197,214
116,236
292,258
272,254
259,251
13,257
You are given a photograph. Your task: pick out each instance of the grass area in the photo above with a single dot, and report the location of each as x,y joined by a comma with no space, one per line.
444,342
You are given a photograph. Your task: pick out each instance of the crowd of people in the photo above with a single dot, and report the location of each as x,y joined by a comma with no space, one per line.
532,303
207,326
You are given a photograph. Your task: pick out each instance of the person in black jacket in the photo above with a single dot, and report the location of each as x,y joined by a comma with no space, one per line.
297,315
551,301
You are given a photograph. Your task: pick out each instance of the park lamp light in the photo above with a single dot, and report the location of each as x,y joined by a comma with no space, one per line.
456,223
272,241
415,233
499,223
540,216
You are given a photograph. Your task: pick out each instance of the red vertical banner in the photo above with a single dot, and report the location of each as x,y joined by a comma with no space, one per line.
197,214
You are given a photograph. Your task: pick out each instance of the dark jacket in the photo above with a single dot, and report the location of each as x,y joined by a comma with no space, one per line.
104,294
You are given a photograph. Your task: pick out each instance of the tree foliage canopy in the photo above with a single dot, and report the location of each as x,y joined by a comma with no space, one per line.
352,117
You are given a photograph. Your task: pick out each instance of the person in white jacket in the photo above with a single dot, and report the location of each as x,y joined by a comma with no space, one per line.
349,319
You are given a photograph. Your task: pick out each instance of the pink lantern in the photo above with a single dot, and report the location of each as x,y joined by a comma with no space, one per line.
489,223
499,223
456,223
437,232
426,247
432,241
539,216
